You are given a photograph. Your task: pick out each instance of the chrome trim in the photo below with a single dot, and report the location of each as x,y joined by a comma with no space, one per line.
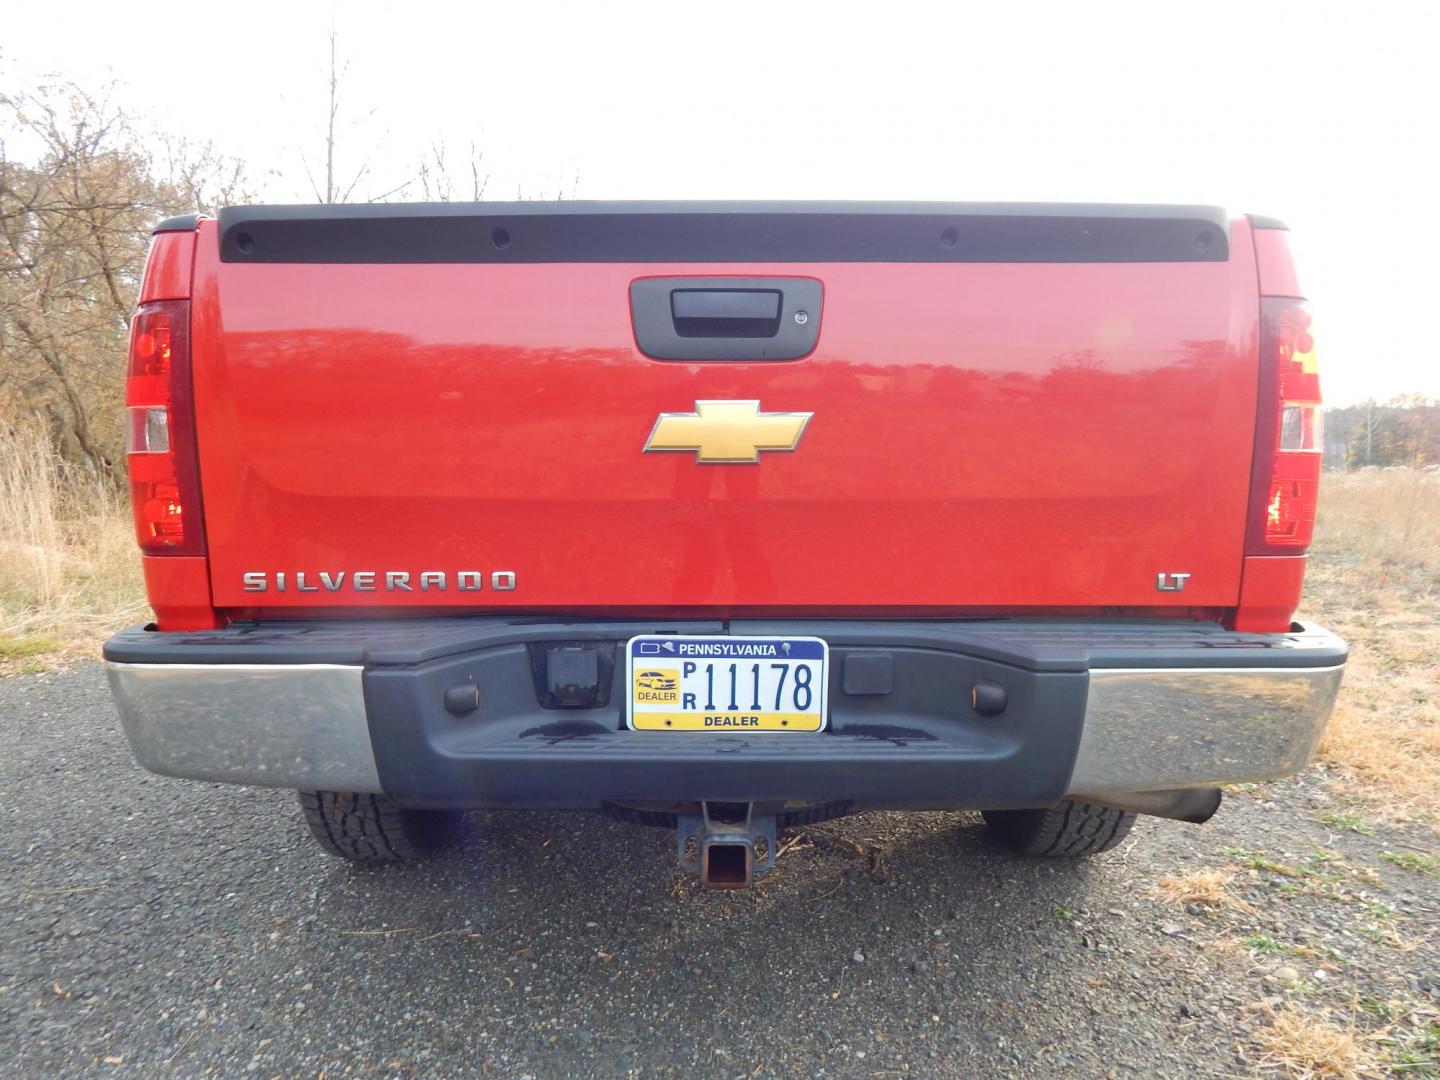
274,725
1170,582
1148,728
368,581
722,423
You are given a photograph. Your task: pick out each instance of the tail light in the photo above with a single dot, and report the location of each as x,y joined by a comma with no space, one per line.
160,442
1288,444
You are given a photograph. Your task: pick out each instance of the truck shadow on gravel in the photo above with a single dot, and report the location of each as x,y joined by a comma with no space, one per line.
878,940
882,943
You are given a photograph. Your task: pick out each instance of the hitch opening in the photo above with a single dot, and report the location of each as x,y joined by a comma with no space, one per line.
726,844
725,865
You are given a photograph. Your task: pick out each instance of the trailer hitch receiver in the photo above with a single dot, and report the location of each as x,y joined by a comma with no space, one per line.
727,843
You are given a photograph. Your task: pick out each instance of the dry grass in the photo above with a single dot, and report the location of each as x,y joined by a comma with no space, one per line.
1306,1046
1375,579
1208,887
1386,519
68,569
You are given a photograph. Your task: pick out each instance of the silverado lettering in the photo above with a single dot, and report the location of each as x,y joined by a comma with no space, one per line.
822,507
373,580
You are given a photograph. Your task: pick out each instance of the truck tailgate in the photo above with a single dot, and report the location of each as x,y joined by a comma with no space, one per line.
1018,415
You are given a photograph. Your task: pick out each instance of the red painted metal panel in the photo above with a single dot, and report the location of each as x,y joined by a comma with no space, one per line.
179,591
1270,593
168,267
1039,436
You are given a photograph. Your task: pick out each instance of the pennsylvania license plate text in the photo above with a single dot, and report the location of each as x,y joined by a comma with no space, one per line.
681,683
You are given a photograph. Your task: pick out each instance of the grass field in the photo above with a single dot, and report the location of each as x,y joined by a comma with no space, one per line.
69,571
69,576
1375,579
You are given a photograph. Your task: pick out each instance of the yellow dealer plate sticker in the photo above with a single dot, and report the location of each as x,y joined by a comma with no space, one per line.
726,684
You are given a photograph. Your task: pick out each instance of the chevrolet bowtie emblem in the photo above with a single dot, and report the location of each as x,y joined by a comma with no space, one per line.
727,431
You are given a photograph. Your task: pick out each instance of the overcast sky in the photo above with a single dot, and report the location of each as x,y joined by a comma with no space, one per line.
1322,115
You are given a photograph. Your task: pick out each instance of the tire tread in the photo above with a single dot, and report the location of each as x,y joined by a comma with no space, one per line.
371,828
1069,830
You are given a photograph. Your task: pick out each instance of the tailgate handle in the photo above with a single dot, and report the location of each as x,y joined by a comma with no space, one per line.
726,318
721,313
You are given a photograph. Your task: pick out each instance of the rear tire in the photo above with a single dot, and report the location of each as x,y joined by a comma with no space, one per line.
373,829
1071,829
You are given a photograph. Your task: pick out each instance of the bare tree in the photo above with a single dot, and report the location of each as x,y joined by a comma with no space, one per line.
199,176
75,217
1402,431
441,176
565,188
1372,426
436,179
334,186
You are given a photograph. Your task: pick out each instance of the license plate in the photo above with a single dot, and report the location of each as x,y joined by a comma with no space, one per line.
727,684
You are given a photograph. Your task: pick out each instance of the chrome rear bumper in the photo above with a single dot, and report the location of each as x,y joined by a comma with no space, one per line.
1093,711
1152,728
270,725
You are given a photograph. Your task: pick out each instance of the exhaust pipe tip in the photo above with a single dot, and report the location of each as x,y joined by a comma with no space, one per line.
1196,805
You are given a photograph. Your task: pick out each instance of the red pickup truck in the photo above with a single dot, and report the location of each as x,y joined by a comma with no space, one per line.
724,517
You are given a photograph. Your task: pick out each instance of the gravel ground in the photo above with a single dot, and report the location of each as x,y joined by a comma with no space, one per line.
152,927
